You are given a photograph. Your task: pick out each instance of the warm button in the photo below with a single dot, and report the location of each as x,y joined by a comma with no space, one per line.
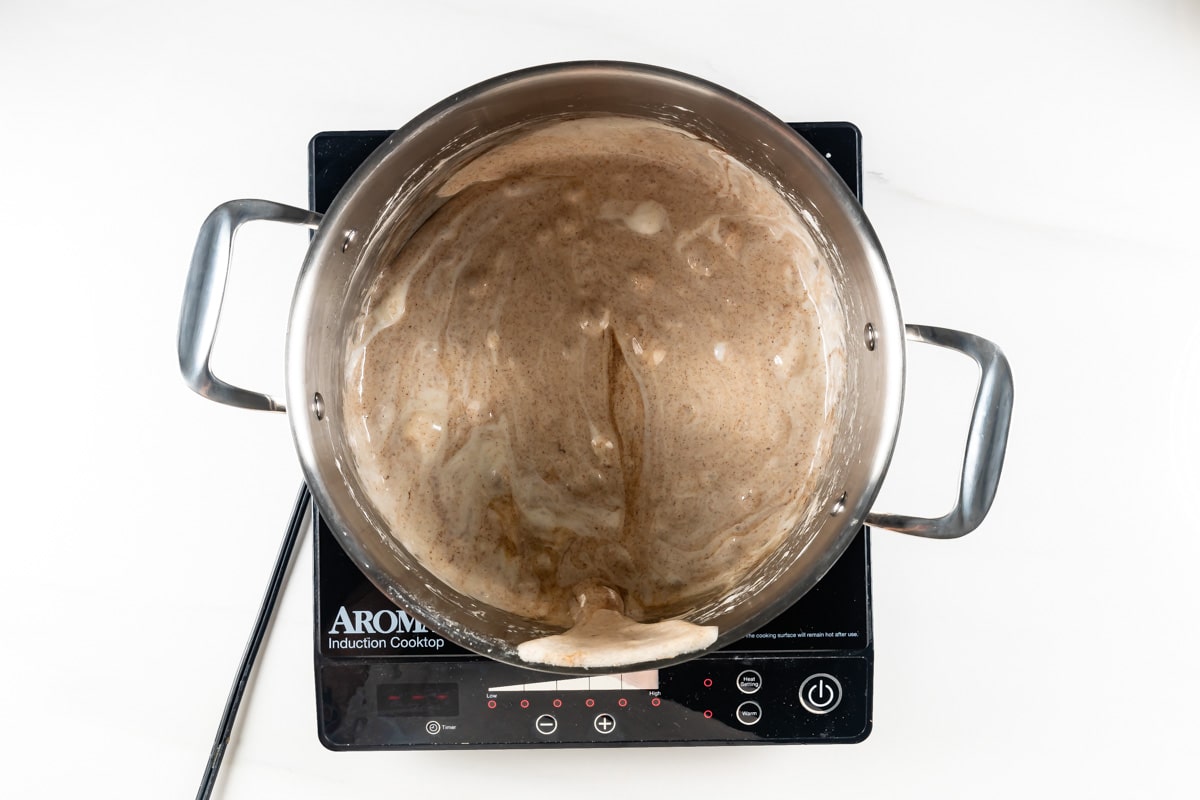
749,713
749,682
820,693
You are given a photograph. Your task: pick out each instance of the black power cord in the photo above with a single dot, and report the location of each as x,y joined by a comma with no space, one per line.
261,623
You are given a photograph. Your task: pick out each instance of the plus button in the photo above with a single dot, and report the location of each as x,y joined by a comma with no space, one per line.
605,723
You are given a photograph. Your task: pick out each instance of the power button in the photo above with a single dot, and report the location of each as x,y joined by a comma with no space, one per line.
820,693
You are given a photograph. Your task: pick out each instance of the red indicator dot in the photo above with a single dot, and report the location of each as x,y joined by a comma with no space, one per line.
707,714
524,704
557,703
589,702
622,702
708,683
656,702
491,703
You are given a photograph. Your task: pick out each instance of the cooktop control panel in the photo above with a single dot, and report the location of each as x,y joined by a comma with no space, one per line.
723,699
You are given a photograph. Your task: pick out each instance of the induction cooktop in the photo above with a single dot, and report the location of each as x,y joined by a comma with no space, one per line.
386,681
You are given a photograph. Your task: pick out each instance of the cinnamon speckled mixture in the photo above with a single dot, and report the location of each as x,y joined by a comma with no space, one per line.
601,362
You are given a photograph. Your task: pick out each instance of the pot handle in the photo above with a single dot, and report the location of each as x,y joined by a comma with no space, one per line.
205,293
986,440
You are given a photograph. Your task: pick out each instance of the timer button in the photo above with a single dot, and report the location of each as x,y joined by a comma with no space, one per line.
820,693
749,682
749,713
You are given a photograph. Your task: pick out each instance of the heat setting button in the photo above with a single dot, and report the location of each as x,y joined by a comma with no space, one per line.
546,724
820,693
749,681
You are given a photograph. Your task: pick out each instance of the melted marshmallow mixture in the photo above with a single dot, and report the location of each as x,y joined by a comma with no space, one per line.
600,363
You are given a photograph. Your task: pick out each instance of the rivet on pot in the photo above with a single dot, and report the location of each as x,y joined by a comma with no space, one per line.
869,334
346,242
839,506
318,405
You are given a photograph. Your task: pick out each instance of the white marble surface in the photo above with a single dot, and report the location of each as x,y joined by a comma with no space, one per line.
1030,169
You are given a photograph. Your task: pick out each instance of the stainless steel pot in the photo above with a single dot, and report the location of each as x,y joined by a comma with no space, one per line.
396,190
